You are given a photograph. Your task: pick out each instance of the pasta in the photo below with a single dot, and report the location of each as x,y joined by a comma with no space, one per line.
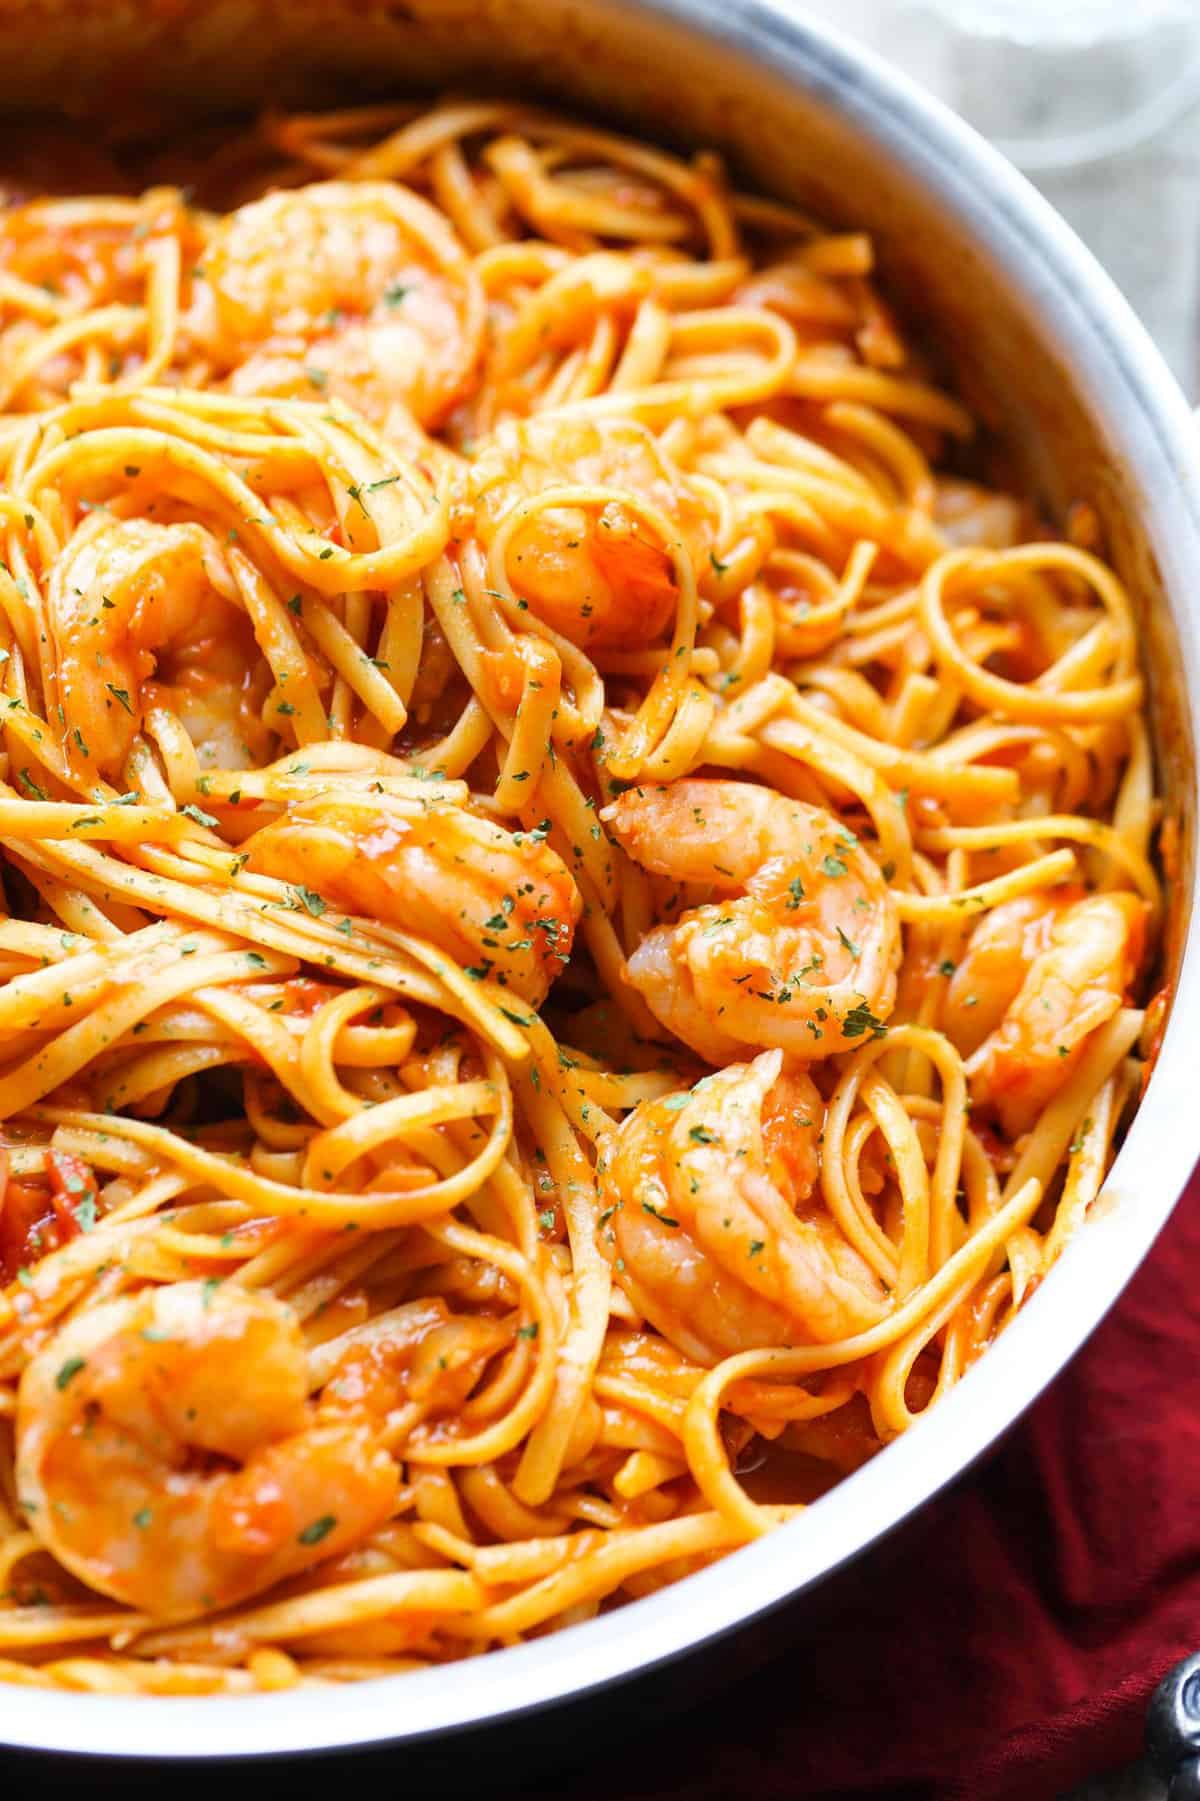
576,901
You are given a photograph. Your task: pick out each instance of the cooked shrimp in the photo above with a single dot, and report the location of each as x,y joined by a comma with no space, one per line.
967,514
715,1237
417,1354
357,289
129,600
802,948
599,575
1001,949
1069,985
127,1423
501,902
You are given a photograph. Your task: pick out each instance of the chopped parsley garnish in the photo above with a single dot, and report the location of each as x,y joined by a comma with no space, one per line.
307,898
859,1020
316,1530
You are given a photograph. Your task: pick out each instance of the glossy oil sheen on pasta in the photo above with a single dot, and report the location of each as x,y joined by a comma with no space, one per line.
574,905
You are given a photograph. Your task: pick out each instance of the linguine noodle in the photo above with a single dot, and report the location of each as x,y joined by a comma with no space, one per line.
575,904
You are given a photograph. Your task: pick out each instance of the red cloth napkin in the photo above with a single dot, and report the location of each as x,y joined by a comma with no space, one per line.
1004,1643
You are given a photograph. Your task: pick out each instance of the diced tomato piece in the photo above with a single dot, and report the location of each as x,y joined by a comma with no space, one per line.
74,1195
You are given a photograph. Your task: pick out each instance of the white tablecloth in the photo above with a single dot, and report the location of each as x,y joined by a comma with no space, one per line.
1139,212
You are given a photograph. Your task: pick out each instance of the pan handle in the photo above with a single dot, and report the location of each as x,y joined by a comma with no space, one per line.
1173,1730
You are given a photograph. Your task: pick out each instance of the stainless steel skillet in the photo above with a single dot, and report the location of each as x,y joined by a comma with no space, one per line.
1058,368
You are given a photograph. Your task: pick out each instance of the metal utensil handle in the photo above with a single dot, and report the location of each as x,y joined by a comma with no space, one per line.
1173,1730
